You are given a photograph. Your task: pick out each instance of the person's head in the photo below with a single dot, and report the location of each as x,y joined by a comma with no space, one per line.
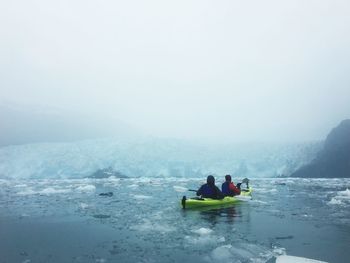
210,180
228,178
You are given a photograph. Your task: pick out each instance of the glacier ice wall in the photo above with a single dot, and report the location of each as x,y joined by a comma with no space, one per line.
152,157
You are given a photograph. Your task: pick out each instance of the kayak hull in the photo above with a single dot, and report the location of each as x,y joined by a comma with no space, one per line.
209,202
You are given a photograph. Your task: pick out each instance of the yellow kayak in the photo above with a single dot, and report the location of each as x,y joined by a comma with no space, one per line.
202,202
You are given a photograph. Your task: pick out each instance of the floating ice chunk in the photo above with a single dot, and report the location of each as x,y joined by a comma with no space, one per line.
51,190
335,201
345,193
202,231
148,225
20,185
158,215
163,228
156,183
86,188
342,198
244,253
113,178
259,202
243,198
84,205
292,259
24,215
265,190
27,192
133,186
240,253
222,254
141,196
180,189
205,239
279,251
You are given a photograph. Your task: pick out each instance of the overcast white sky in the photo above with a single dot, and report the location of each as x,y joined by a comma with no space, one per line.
235,70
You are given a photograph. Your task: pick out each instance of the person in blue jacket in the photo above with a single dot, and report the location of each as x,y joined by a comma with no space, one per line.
210,190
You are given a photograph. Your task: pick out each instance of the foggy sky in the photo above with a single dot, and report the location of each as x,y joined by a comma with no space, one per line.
228,70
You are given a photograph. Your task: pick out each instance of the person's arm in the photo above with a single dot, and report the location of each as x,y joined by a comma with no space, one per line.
200,191
234,189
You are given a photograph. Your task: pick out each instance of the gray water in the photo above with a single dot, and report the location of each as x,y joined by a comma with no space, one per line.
67,221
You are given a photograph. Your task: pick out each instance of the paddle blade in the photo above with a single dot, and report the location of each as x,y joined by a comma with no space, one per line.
245,181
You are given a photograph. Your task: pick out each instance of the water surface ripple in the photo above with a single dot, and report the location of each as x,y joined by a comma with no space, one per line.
68,221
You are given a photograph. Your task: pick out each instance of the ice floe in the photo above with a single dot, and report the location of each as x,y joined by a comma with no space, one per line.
292,259
243,252
202,231
204,236
180,189
148,225
341,198
335,201
140,197
133,186
204,239
86,188
51,190
28,191
83,205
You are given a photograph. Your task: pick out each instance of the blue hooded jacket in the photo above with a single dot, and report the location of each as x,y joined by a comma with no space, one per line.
209,190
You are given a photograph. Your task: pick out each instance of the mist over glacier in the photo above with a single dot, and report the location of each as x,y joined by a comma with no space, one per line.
153,157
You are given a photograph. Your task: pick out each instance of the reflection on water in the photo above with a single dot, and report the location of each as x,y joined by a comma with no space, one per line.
215,215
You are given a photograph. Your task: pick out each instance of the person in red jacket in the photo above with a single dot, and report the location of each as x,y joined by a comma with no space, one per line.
228,188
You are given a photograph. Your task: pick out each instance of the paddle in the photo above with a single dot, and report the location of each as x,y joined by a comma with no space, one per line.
244,181
192,190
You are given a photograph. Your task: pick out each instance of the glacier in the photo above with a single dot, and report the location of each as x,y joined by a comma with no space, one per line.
153,157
